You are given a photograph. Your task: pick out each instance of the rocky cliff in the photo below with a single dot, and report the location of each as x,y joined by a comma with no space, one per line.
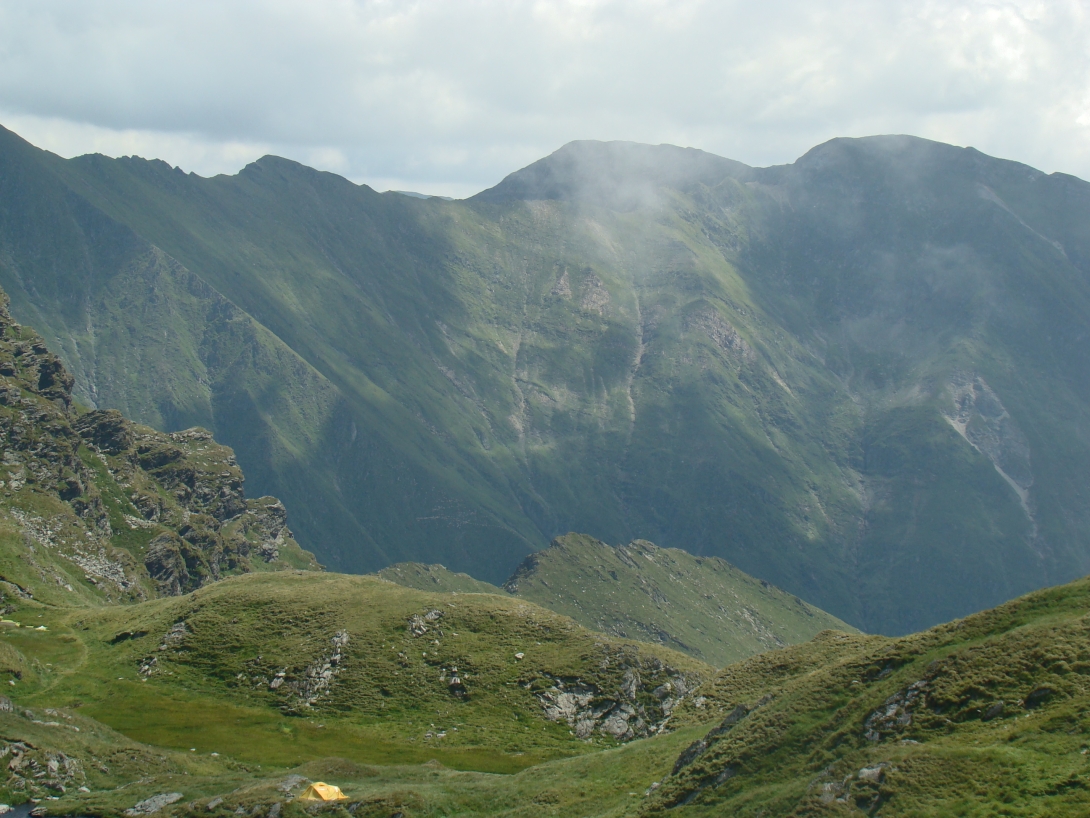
95,506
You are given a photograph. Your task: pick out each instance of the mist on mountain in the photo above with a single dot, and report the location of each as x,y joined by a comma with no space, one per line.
861,376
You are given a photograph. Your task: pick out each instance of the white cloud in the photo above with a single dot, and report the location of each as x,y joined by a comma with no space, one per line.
449,96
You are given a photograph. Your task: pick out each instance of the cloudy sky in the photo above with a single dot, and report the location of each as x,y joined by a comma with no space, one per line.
448,96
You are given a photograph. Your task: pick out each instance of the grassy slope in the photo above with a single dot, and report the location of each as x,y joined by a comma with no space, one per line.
402,415
753,366
390,692
436,578
702,606
999,726
120,773
192,358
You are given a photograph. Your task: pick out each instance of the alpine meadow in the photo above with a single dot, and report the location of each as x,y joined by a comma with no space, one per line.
644,482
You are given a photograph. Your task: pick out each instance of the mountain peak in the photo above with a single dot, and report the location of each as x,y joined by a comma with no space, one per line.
617,175
908,157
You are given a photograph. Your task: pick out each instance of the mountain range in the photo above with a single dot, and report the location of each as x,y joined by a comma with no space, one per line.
169,649
862,377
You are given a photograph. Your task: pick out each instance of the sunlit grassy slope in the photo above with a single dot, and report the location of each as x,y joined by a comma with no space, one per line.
861,377
984,716
237,668
702,606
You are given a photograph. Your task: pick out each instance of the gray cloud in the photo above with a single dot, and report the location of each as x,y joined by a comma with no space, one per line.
450,96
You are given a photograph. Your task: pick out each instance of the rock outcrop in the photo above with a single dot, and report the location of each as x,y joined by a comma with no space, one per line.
110,508
640,705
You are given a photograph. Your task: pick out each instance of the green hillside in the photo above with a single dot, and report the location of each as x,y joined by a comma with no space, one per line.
860,377
167,648
436,578
152,611
702,606
276,669
980,717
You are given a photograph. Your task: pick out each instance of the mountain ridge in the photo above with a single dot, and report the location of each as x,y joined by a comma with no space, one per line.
619,175
766,370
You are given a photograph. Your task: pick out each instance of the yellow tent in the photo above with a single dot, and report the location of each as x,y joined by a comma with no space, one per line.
319,791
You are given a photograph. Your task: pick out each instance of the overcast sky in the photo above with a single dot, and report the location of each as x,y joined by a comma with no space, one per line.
448,97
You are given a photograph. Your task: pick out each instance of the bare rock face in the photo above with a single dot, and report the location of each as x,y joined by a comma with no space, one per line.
639,705
40,772
166,564
188,483
105,429
980,417
319,677
896,713
154,804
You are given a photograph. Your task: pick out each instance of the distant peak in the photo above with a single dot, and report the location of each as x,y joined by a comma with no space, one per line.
617,175
908,156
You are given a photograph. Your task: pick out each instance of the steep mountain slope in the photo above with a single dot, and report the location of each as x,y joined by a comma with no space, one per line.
702,606
95,508
950,292
144,335
860,376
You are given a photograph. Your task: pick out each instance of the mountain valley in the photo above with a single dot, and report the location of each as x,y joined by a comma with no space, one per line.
979,717
862,379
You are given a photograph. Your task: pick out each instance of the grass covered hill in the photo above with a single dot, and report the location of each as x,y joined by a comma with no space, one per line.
860,376
137,624
273,670
980,717
436,578
702,606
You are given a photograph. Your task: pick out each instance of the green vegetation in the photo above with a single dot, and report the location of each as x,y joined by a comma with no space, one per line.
273,670
983,716
702,606
169,649
436,578
267,663
856,377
